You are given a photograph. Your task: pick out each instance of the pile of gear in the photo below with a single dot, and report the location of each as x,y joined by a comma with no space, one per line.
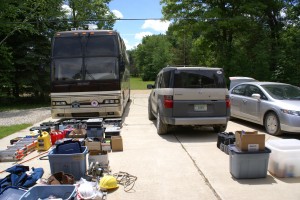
78,162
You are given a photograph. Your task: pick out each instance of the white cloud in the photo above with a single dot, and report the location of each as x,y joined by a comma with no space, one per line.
118,14
66,9
140,35
93,26
160,26
128,46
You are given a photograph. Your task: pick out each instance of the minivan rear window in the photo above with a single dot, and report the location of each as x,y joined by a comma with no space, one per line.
199,79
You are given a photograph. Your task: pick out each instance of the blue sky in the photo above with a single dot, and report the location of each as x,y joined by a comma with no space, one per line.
132,31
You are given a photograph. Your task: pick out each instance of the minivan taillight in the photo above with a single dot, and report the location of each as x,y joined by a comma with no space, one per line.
228,101
168,101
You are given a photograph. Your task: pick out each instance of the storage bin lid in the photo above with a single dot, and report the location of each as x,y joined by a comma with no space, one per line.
234,149
284,144
11,193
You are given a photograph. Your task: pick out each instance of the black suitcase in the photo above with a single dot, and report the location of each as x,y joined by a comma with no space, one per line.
224,139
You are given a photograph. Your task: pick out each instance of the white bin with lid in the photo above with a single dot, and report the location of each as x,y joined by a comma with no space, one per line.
284,160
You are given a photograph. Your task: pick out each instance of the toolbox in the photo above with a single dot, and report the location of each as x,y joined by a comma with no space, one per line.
41,128
112,131
117,122
225,139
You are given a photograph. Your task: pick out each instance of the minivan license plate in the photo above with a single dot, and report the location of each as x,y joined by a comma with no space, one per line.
200,107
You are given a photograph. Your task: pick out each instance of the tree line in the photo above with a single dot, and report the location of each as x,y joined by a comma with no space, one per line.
256,38
26,29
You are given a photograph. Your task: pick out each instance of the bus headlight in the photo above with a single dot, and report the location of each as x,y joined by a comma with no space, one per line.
111,101
59,103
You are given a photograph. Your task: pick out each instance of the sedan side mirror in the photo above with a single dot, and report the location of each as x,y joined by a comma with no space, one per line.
256,96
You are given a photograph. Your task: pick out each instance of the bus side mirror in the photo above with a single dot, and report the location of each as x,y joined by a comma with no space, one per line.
150,86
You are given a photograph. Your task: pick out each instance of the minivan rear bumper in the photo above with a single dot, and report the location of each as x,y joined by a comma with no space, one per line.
195,120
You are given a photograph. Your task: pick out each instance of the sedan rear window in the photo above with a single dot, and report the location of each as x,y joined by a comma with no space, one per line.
199,79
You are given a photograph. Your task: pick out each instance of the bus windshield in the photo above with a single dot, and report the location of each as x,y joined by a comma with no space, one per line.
79,58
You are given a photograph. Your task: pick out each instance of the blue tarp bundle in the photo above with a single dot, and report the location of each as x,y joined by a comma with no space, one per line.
20,177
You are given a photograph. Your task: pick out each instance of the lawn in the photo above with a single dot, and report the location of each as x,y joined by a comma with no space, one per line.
139,84
8,130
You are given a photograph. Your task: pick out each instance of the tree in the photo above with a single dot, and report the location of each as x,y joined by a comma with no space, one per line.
152,55
93,12
243,37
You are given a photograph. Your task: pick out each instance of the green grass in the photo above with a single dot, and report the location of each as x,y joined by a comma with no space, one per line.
8,130
139,84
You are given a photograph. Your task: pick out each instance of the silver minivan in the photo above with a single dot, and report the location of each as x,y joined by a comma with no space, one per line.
193,96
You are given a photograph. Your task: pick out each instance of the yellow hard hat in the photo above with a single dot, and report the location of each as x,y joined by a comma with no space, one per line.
108,182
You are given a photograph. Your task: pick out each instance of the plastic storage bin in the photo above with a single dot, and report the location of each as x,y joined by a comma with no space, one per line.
284,160
74,163
245,164
45,191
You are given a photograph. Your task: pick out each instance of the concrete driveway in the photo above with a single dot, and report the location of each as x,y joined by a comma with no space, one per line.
185,164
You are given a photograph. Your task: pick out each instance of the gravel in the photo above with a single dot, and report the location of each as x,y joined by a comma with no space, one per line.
28,116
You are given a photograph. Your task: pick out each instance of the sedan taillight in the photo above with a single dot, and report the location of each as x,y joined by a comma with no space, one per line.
168,101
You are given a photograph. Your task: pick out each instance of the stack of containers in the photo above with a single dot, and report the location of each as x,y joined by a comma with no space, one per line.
249,157
95,143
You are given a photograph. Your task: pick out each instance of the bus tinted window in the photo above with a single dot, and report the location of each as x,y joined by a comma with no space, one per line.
101,46
101,68
67,47
67,69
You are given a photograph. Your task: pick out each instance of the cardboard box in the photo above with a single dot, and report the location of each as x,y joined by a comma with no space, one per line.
250,141
106,144
116,143
93,145
77,133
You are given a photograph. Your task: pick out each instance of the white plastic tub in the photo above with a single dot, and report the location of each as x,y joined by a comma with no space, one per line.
284,160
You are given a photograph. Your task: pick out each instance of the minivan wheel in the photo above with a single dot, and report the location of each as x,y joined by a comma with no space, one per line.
272,124
150,114
161,127
219,129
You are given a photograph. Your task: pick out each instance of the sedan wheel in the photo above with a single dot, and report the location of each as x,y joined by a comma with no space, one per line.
160,126
272,124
